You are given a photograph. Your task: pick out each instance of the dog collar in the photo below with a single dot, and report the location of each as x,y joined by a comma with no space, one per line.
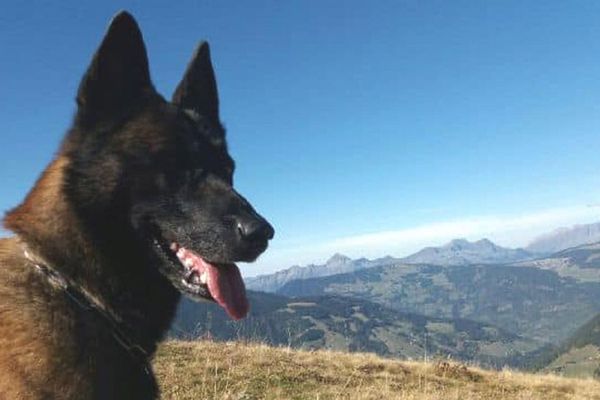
87,302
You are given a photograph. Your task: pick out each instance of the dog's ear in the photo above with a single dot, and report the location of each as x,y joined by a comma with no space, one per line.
198,89
118,77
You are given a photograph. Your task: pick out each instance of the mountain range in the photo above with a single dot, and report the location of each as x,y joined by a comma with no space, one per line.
463,252
456,252
337,264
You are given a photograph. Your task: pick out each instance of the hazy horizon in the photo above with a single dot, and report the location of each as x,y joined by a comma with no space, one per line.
511,232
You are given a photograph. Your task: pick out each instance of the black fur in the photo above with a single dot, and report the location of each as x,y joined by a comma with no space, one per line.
134,174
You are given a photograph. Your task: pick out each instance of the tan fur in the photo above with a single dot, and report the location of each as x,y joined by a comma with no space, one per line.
44,353
45,214
30,341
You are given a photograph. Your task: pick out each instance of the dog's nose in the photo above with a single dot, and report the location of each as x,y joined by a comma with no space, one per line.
255,229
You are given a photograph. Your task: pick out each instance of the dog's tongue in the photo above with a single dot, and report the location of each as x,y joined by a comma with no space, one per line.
226,286
224,283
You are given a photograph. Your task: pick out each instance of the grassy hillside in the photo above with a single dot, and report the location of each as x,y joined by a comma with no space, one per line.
208,370
580,355
339,323
532,302
577,362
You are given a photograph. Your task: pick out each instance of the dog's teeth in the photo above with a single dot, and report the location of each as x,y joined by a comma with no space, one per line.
203,278
180,252
195,279
174,246
188,262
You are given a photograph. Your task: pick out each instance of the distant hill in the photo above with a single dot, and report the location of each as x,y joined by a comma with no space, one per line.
463,252
338,323
564,238
581,263
337,264
579,356
525,300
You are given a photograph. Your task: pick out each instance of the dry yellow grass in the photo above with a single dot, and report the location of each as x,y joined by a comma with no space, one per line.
227,371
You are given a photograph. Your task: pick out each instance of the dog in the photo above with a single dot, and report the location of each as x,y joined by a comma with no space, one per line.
136,208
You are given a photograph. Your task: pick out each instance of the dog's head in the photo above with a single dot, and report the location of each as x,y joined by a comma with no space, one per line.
161,170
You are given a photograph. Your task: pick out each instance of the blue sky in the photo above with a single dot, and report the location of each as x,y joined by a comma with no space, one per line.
369,128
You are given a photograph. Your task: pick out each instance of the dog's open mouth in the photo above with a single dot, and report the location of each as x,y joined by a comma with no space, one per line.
222,281
218,282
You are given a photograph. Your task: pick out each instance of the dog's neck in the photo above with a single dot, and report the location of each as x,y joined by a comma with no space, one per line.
45,217
112,270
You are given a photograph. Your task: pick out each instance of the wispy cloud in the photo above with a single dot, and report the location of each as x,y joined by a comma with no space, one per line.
508,230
